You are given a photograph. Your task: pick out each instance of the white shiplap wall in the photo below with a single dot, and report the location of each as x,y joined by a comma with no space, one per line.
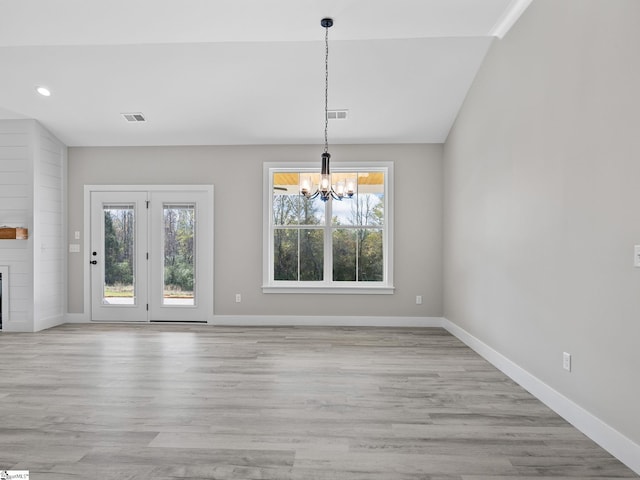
16,209
32,182
49,255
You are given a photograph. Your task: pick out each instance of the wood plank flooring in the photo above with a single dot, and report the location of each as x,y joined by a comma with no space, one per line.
198,402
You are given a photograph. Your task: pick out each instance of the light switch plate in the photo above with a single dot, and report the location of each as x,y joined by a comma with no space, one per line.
74,248
566,361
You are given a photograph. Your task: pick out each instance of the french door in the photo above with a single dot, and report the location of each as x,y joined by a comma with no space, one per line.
151,255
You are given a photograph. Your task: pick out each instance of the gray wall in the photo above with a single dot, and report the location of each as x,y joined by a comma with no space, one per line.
541,202
236,173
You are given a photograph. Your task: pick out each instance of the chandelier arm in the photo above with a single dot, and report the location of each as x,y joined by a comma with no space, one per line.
313,195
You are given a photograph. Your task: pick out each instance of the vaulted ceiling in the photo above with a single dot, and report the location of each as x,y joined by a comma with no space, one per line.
212,72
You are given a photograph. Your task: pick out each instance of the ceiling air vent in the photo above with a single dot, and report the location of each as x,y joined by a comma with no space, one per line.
337,114
134,117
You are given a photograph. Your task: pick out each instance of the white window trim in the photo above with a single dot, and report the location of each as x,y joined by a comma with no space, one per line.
326,286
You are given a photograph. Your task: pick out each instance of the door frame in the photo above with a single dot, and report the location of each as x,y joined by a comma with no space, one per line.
86,233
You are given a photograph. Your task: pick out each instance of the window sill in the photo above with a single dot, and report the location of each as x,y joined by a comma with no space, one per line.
346,290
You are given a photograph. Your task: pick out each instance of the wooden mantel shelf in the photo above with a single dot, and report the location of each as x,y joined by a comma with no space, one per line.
9,233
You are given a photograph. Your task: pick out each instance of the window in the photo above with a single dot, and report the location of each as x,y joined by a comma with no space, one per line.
338,246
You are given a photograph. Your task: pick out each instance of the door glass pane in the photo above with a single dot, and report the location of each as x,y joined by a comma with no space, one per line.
119,255
179,255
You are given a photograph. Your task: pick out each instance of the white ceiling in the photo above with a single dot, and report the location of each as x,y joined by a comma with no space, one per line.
211,72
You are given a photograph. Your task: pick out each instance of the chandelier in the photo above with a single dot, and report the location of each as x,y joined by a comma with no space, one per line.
326,189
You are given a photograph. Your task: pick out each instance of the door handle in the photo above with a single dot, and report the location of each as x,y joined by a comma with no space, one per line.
93,262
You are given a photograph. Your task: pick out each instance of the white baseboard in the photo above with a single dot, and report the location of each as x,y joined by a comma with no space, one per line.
320,321
307,321
77,318
17,326
50,322
617,444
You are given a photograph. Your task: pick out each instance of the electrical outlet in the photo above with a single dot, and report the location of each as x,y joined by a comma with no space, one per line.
566,361
238,298
418,299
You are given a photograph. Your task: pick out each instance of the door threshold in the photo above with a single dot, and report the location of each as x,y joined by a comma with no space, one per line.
199,322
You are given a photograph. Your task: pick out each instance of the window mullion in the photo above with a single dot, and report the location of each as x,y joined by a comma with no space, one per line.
357,230
298,229
357,254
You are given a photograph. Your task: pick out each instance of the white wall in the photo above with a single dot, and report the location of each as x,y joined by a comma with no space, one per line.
541,203
236,172
32,182
16,209
49,235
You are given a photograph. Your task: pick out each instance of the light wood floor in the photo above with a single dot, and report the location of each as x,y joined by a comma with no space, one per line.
164,402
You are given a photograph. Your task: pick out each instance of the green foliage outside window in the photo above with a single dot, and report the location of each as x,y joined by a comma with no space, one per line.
179,233
179,264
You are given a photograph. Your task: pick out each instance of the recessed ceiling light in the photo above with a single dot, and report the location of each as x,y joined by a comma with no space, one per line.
44,91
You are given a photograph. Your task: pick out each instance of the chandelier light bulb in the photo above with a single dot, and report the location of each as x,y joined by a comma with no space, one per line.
305,186
325,183
351,187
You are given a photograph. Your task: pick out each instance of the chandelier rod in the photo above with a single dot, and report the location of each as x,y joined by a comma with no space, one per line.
326,189
326,23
